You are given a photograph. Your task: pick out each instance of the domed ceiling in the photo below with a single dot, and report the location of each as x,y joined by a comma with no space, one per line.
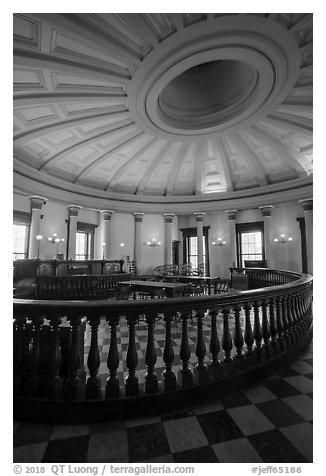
163,106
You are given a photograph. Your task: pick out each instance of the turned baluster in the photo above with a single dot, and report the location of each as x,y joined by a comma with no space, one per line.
214,343
265,325
257,328
32,385
93,385
18,349
151,382
131,385
279,324
303,310
284,318
54,386
305,305
288,303
73,388
112,383
227,339
248,336
309,314
168,356
70,287
185,377
238,337
272,322
300,313
200,372
293,310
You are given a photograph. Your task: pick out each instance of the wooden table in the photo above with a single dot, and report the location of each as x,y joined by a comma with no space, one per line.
210,281
170,289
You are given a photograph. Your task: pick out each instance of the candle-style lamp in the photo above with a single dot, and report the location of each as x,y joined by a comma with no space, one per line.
122,246
55,240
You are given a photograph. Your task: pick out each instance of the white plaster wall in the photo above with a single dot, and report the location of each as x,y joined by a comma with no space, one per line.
218,255
152,227
122,230
284,220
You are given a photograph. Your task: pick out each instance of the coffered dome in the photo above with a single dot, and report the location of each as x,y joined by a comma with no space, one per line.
162,108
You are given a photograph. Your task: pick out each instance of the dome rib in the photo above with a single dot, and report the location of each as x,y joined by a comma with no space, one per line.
89,89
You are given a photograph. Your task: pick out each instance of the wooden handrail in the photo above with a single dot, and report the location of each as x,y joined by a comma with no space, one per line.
274,319
96,307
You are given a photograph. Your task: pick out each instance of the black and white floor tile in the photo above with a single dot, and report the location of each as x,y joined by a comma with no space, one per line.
268,423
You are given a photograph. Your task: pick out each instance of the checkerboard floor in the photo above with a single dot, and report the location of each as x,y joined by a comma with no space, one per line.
270,423
159,341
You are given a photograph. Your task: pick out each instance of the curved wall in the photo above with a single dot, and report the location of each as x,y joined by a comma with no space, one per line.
283,220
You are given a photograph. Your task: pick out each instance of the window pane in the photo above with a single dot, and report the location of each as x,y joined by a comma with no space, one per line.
251,246
81,246
20,235
245,249
258,237
244,238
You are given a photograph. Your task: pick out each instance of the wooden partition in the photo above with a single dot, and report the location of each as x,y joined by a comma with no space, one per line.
31,268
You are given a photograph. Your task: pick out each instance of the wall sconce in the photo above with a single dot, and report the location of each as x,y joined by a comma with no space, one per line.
153,242
282,240
122,246
219,242
103,246
56,240
39,238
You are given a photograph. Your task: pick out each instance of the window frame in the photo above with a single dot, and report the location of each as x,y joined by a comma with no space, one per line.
89,230
250,227
190,233
22,219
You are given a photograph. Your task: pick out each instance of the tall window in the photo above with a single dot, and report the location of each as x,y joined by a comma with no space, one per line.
190,251
193,251
85,240
83,245
250,242
21,226
20,235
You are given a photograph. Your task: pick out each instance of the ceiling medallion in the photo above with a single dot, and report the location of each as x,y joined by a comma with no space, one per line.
209,80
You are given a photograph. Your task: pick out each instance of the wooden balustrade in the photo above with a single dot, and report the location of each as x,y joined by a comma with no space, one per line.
78,287
247,329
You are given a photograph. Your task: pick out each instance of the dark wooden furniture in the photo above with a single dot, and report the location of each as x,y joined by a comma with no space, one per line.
209,282
258,263
171,289
31,268
69,279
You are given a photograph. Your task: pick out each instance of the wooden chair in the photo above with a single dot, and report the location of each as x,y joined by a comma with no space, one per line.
200,270
172,269
185,269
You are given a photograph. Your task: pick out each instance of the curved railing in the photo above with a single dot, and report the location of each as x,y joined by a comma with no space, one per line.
248,330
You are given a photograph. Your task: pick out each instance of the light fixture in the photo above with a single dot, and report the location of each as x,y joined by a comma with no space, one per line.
55,240
122,245
283,240
219,242
153,242
103,246
39,238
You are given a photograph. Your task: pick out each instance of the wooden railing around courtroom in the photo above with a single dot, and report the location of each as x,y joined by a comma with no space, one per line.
86,286
267,323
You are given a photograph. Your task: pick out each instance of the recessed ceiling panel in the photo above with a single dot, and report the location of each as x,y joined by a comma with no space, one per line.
164,104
